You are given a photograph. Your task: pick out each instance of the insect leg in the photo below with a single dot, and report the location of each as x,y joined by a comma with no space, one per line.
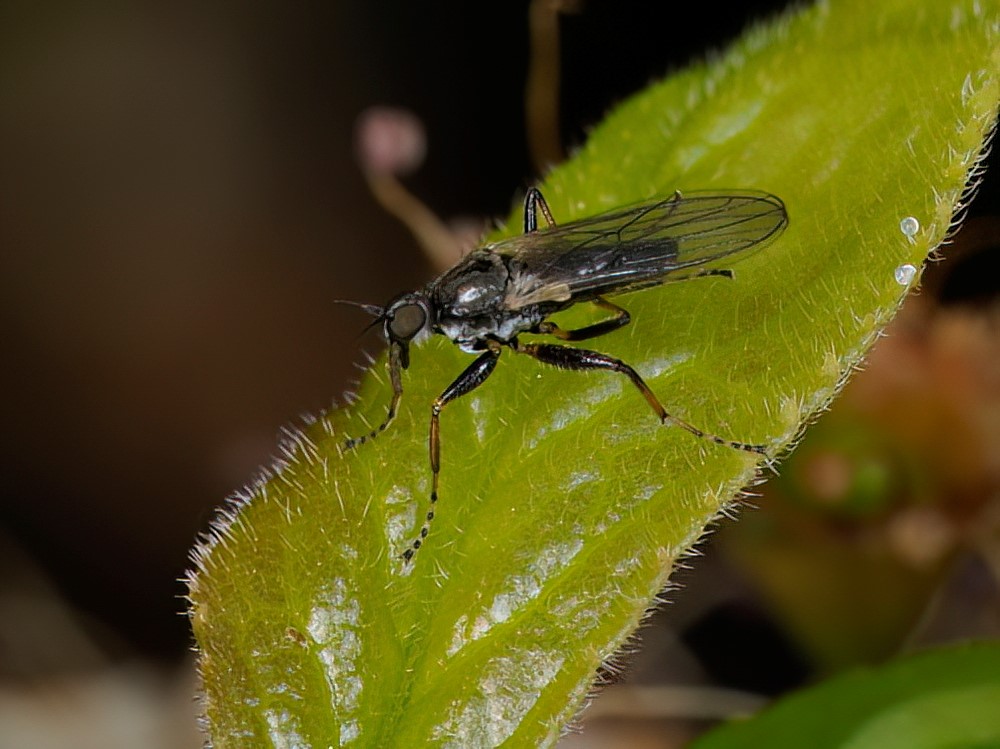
395,376
620,320
474,376
567,357
534,202
724,272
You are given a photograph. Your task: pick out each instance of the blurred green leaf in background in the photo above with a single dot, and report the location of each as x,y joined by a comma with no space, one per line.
931,701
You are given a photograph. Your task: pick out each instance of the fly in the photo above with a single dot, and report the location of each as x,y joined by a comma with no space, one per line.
510,287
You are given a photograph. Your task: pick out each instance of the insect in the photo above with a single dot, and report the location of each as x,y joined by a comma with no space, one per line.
502,290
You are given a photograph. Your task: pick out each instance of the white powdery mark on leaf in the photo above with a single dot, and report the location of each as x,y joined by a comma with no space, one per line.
509,688
333,625
659,365
585,613
283,730
579,409
479,418
517,591
399,523
578,479
731,123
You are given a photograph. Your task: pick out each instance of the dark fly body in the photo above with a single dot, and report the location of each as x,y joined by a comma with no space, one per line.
502,290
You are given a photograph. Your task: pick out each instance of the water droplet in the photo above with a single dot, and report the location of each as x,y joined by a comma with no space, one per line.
909,226
905,274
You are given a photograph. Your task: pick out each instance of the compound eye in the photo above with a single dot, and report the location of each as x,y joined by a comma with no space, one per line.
407,320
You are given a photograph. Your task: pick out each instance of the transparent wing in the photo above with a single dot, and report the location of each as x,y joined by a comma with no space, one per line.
637,246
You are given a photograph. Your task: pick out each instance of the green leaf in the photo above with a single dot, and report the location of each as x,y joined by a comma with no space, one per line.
943,699
564,503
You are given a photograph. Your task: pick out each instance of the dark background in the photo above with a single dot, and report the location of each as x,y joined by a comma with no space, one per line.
178,205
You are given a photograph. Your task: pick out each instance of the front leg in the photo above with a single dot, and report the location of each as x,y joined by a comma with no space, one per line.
396,366
474,376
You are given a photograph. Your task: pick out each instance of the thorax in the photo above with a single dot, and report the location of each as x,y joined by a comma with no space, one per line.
469,302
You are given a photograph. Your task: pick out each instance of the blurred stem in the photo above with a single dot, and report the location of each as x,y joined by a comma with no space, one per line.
432,234
542,88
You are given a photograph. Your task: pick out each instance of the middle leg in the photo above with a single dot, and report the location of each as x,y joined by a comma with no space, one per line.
620,320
